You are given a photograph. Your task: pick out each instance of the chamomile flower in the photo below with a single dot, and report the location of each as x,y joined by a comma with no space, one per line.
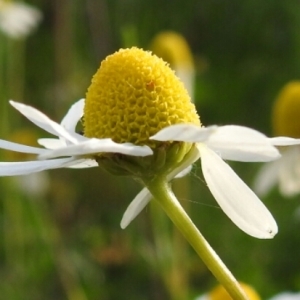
139,121
18,19
285,121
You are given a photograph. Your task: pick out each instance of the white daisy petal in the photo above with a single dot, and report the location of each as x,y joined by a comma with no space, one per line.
20,148
72,117
143,198
43,121
184,133
284,141
27,167
135,207
91,146
52,143
241,144
85,163
184,172
240,204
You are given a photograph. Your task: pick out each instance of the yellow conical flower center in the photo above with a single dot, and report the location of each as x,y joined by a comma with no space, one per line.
286,111
219,293
133,95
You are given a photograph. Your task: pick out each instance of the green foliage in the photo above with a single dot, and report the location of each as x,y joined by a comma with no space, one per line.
66,243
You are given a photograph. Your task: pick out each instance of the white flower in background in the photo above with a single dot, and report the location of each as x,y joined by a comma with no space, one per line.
153,129
174,49
17,19
286,170
286,296
32,185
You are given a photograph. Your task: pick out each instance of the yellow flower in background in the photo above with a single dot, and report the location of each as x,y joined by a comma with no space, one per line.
286,122
219,293
174,49
18,19
139,121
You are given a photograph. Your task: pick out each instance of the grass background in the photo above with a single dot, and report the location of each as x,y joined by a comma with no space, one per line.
65,242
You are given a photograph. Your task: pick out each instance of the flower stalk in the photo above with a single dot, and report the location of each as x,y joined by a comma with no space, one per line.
163,194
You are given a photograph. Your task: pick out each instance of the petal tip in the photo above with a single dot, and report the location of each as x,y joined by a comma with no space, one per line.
123,225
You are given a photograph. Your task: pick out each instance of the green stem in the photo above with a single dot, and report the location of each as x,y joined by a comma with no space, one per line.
161,191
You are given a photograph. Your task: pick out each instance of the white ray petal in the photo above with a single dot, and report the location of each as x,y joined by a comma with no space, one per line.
52,143
85,163
235,198
184,133
92,146
135,207
27,167
43,121
143,198
184,172
241,144
72,117
20,148
284,141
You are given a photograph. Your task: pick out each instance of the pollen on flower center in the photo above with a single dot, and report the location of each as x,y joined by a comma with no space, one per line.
286,111
133,95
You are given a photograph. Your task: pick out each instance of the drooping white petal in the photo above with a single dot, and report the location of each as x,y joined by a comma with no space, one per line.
72,117
235,198
184,133
20,148
52,143
43,121
143,198
284,141
184,172
241,144
91,146
267,177
27,167
135,207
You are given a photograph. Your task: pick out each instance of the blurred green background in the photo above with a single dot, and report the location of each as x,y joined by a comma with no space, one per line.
63,239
